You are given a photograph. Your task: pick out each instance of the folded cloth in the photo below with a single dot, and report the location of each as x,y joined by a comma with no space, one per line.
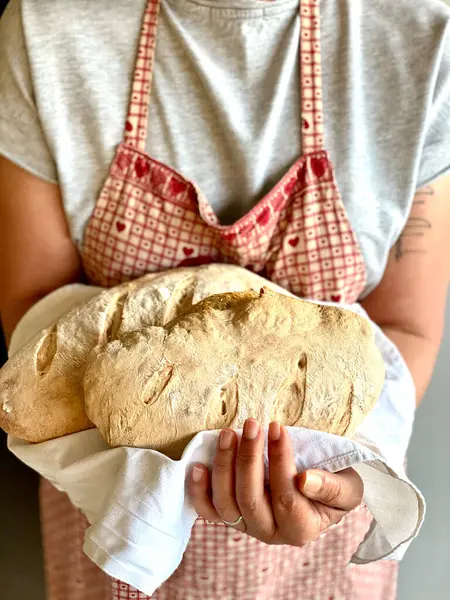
136,501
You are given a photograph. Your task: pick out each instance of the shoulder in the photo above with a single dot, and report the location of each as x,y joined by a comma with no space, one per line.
418,29
80,8
415,36
400,41
397,48
397,14
56,19
385,22
82,36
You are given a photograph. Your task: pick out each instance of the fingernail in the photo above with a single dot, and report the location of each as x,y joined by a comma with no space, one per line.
274,431
251,429
313,482
197,474
225,439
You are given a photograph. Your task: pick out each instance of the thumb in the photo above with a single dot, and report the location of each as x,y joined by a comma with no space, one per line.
343,490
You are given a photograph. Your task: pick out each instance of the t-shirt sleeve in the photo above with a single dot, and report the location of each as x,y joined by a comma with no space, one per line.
22,138
435,158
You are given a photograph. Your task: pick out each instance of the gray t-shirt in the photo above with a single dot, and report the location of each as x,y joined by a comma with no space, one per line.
225,106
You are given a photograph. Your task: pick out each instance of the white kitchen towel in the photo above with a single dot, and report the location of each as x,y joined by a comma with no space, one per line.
135,499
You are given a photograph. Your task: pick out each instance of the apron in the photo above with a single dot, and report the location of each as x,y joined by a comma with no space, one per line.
150,218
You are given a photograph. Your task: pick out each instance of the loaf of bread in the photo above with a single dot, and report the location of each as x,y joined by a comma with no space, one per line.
156,360
233,356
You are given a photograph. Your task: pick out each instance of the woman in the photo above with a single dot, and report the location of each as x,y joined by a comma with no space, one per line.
241,97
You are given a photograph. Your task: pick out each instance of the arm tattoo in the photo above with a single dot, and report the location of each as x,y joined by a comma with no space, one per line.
428,191
415,229
422,195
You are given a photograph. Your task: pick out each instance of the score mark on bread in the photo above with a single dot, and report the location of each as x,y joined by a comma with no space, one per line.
289,399
46,352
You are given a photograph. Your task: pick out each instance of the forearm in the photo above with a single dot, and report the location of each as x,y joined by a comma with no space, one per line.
13,311
11,315
420,355
37,254
409,303
19,294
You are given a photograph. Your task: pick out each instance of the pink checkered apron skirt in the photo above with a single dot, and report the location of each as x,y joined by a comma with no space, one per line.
150,218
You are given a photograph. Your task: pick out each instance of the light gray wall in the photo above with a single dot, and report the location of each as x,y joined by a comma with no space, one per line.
425,570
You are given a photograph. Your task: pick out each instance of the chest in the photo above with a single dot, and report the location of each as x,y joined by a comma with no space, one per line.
225,112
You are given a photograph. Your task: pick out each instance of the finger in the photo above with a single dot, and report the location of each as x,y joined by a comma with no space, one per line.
290,508
199,487
250,493
224,480
343,490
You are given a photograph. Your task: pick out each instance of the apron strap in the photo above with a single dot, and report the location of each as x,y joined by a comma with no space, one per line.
136,126
311,77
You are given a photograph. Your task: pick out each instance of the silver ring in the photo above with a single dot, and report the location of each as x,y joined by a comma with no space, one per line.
233,523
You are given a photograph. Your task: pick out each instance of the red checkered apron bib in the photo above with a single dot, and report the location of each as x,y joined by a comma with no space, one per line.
150,218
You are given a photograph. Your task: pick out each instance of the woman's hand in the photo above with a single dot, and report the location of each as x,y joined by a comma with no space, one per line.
294,509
